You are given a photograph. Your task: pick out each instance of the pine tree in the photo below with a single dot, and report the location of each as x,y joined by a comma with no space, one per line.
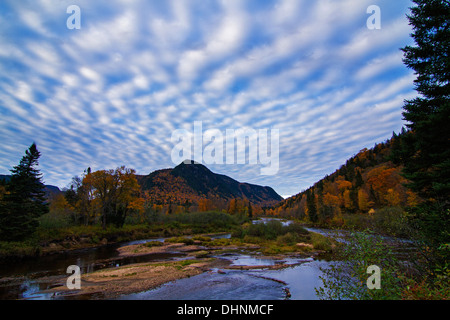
426,149
311,205
24,201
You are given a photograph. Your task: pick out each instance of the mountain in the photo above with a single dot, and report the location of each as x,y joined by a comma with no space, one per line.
193,182
369,182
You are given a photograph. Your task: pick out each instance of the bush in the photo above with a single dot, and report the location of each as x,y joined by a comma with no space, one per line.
346,278
321,242
54,221
201,238
296,228
289,238
184,240
220,242
151,244
273,229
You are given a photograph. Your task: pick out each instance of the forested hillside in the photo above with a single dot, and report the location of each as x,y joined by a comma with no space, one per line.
195,185
368,188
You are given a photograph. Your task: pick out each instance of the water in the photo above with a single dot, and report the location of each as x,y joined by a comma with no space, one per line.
227,285
264,220
301,277
28,280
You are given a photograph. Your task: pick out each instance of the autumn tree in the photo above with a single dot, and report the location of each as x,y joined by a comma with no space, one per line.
24,200
115,192
364,203
80,196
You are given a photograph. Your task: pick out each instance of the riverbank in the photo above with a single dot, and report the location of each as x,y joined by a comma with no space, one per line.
202,256
59,241
105,267
112,282
50,239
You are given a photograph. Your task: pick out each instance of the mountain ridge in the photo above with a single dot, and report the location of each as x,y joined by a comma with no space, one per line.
193,182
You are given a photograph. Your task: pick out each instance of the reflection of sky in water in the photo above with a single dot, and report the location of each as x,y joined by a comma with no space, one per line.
301,280
31,290
231,285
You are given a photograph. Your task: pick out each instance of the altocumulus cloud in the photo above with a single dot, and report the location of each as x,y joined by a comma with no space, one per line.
112,92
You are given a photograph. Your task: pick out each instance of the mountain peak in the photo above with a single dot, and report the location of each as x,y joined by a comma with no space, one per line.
187,161
192,180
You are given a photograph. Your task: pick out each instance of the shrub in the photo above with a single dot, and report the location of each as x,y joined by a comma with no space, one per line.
320,242
289,238
346,277
153,244
201,238
184,240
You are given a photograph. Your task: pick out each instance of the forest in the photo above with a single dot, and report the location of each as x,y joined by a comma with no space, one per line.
368,191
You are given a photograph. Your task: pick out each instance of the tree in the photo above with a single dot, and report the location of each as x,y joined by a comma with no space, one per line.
311,206
24,201
115,192
427,158
363,200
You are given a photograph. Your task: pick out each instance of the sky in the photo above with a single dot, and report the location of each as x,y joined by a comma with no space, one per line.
108,85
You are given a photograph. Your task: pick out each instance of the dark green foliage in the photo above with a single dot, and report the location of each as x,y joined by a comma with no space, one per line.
425,150
273,229
346,278
24,201
311,205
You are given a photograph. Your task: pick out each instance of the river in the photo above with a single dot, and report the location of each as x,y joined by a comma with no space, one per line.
30,279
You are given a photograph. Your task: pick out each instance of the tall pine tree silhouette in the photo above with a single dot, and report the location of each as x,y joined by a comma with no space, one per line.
24,201
426,147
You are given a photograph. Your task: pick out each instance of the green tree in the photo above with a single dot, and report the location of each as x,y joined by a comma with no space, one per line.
426,152
24,201
311,205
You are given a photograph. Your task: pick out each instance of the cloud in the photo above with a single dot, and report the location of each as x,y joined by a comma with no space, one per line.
113,92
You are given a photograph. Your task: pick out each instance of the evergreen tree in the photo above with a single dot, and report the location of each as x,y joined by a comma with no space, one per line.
358,179
24,201
426,149
311,205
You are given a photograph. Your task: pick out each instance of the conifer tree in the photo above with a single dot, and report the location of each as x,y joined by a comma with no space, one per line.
426,149
24,201
311,205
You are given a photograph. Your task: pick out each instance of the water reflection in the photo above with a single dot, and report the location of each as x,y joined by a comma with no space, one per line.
226,285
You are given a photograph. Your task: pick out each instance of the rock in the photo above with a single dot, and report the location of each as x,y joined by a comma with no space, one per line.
85,240
53,245
305,245
287,292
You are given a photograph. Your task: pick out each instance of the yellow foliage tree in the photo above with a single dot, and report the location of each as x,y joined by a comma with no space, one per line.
363,200
115,193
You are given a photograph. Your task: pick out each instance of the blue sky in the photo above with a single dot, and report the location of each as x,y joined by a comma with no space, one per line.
112,92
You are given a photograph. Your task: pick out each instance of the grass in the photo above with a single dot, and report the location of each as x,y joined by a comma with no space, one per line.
272,236
186,241
320,242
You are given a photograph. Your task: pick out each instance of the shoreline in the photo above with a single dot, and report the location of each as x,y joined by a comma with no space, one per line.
111,283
